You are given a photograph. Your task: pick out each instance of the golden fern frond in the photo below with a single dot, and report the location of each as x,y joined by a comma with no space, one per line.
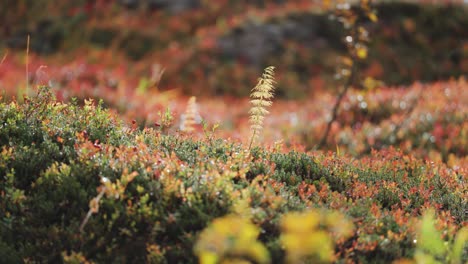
261,96
189,119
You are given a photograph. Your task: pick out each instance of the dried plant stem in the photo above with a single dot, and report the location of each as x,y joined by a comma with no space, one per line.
4,57
90,212
337,105
27,65
254,135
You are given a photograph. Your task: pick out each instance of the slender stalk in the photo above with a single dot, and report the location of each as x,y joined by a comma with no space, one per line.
27,65
90,212
254,133
4,57
337,105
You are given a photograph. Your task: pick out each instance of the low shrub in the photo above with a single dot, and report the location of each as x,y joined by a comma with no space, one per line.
77,185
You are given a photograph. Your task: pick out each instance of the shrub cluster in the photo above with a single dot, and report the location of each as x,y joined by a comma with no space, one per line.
77,185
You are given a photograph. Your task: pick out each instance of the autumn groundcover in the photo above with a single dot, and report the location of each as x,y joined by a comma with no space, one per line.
78,185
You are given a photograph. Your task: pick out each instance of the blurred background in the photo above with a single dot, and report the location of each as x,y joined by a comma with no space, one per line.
219,47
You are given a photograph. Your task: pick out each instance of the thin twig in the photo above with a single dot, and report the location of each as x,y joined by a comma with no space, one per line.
336,107
27,65
90,212
4,57
254,134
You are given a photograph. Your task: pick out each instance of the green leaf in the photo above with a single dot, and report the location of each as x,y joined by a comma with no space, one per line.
430,238
460,242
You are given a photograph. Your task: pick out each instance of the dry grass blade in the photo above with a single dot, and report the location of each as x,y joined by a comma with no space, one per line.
4,57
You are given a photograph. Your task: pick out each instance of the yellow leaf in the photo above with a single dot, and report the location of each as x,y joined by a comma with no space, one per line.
300,222
230,236
320,243
361,52
370,83
207,257
258,252
372,16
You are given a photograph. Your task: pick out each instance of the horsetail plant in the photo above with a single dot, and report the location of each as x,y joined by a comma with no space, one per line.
261,97
191,116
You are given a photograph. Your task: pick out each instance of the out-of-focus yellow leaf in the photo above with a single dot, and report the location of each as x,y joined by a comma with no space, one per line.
300,222
361,52
422,258
308,235
370,84
231,238
372,16
321,244
207,257
260,253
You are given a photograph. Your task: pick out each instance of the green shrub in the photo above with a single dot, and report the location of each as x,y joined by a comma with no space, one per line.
78,185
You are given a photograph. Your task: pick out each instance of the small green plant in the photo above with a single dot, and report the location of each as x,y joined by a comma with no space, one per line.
432,249
166,120
261,96
209,132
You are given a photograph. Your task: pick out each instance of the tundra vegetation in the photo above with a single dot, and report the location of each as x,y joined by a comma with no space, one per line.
108,158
